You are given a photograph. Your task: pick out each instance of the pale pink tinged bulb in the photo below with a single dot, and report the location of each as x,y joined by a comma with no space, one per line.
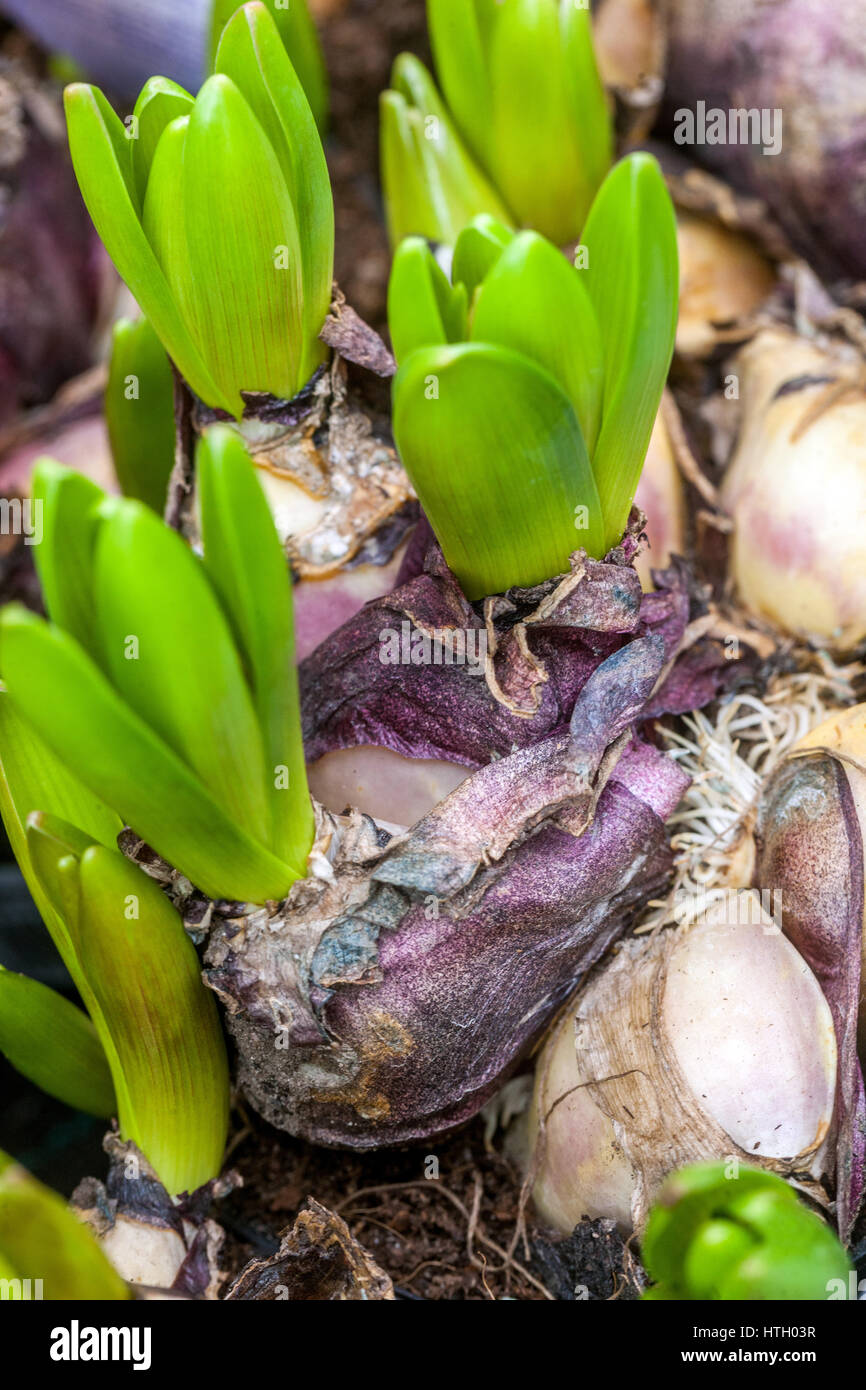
752,1031
798,500
324,605
661,498
582,1170
392,789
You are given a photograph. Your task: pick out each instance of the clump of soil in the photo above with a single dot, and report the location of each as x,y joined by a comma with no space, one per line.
591,1264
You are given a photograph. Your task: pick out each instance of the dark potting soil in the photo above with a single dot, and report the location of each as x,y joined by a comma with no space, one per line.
440,1219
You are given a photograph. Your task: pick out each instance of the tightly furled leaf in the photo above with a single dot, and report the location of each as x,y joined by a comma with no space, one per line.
632,278
524,132
139,412
168,1057
42,1240
432,185
528,387
717,1236
170,694
157,1058
298,33
217,212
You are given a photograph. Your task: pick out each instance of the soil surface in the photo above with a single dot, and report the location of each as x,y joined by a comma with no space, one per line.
441,1219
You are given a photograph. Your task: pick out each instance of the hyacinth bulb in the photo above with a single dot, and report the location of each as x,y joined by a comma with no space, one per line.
796,489
386,999
711,1040
809,840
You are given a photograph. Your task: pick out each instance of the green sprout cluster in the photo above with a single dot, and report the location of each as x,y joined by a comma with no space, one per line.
161,694
217,212
528,387
714,1235
523,133
166,682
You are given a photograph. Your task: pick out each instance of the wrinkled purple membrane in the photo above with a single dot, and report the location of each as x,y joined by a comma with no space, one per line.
440,711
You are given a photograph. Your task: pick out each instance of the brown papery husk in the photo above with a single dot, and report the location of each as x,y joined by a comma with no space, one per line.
155,1242
319,1260
326,459
809,840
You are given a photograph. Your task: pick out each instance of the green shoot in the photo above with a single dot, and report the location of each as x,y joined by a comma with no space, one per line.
217,212
165,683
528,387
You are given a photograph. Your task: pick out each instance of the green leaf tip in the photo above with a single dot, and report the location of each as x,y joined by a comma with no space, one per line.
54,1044
168,688
495,453
300,39
432,185
721,1231
45,1250
528,386
236,287
521,130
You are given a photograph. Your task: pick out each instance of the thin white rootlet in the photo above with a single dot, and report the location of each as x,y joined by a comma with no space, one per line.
729,760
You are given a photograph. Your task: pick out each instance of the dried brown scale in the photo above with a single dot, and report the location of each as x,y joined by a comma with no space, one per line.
331,448
544,643
318,1260
810,850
